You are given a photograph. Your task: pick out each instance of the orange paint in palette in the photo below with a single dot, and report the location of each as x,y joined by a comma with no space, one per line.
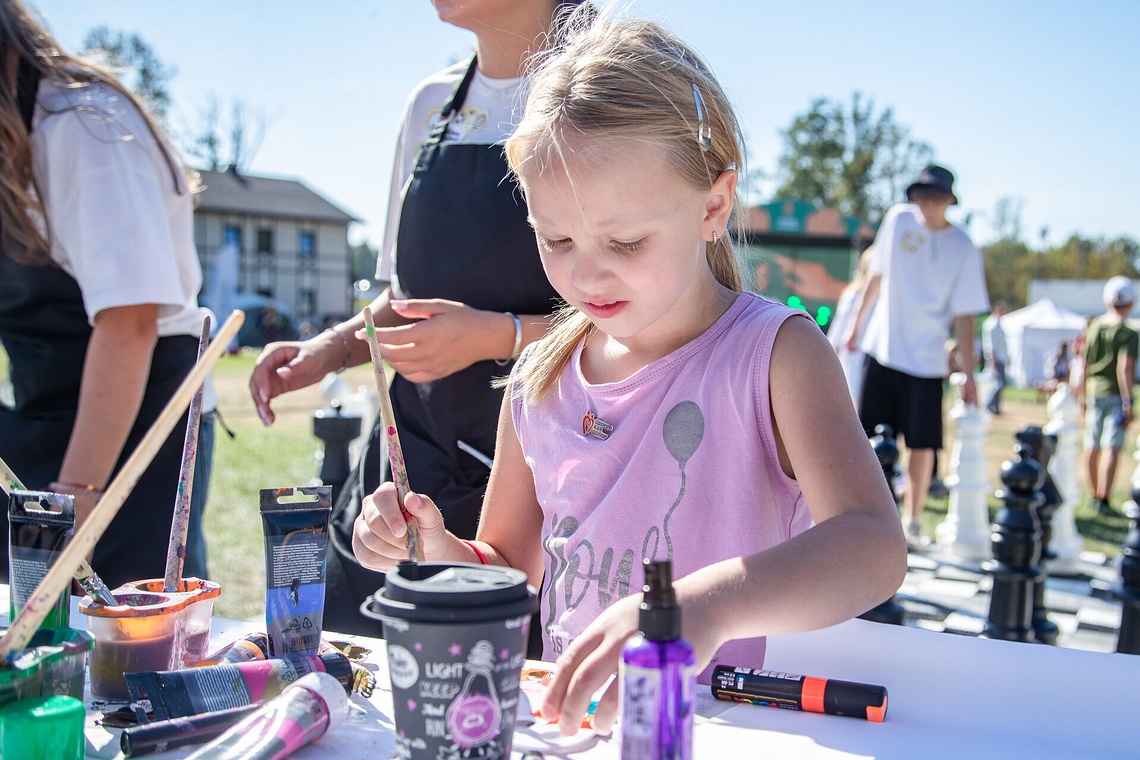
147,631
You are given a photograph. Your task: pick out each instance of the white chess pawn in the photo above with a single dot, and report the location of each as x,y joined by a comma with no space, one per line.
1064,417
965,533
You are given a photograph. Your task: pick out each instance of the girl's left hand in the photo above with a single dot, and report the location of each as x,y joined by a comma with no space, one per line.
586,664
445,337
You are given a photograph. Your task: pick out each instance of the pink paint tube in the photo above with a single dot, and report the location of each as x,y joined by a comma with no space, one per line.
301,714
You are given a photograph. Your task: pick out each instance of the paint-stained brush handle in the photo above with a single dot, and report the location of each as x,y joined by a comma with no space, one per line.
88,534
176,549
395,453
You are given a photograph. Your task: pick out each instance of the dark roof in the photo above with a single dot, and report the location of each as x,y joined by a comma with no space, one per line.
236,193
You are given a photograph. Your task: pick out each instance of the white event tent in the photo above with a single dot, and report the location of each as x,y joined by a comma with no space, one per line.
1031,333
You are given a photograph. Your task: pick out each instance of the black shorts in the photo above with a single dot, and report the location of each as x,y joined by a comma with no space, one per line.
911,405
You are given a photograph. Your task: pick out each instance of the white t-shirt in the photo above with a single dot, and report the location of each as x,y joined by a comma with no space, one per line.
490,112
121,220
928,278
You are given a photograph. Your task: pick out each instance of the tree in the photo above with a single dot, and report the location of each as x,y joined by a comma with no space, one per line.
246,133
849,158
131,55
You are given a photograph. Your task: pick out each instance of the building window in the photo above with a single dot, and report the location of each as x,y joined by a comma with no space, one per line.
305,244
232,236
265,241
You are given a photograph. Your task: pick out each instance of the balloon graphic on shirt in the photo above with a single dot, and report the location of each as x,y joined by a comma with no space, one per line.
683,431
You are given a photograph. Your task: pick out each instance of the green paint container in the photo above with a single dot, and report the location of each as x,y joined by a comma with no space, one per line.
43,728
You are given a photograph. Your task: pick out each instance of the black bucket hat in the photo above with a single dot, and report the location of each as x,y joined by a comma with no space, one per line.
936,178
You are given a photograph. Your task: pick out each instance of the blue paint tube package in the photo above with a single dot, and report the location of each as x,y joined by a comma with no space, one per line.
296,525
40,526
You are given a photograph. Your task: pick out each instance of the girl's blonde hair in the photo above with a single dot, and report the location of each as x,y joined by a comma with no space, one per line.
22,237
629,79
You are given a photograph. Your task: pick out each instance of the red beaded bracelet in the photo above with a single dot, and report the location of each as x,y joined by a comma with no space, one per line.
478,552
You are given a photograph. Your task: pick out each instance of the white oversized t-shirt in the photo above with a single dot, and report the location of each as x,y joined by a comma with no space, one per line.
121,220
928,278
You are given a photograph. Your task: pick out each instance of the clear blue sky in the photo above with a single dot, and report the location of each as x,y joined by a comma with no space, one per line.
1034,101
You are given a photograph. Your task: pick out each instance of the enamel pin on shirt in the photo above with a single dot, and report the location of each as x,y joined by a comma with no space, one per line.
592,425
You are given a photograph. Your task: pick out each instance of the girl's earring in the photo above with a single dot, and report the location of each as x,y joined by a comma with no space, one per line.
714,238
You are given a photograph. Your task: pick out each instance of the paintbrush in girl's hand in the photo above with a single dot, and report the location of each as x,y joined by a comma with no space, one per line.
395,453
86,575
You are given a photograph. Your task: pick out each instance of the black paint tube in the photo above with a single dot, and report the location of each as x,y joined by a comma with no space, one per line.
296,526
178,693
40,526
164,735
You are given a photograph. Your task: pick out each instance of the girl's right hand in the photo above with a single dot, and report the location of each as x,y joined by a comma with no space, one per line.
379,534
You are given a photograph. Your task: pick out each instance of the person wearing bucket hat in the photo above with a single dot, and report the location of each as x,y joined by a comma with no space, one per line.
1105,390
932,178
925,276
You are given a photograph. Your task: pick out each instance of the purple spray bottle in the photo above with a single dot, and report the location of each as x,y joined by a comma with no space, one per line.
658,676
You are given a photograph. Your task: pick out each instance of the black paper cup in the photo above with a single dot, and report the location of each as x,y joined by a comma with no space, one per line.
457,637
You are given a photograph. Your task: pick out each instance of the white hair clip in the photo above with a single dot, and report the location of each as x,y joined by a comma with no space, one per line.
704,131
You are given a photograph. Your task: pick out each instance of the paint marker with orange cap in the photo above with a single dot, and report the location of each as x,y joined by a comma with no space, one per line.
795,692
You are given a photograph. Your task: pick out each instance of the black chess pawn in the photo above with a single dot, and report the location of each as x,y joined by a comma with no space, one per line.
1016,542
1128,589
1042,448
887,450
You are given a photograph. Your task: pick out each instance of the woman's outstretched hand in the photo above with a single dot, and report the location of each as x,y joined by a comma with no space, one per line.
287,366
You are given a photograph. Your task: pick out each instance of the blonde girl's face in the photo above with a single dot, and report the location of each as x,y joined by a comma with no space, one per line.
622,238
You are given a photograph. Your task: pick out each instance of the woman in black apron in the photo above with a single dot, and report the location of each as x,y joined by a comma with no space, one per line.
463,237
45,327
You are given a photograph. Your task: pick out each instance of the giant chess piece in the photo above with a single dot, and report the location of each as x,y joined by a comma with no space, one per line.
887,450
965,533
1041,449
1064,466
1128,589
1016,541
336,429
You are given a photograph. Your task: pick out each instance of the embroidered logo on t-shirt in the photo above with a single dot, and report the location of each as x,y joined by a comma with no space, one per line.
911,241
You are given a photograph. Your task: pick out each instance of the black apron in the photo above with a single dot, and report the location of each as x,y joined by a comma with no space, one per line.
464,237
44,329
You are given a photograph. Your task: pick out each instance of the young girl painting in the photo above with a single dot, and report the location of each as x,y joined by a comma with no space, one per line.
666,414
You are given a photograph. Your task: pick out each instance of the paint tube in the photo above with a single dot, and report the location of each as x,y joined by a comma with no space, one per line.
178,693
40,526
303,713
255,646
296,542
164,735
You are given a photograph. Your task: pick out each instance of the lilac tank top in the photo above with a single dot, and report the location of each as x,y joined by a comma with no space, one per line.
689,472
